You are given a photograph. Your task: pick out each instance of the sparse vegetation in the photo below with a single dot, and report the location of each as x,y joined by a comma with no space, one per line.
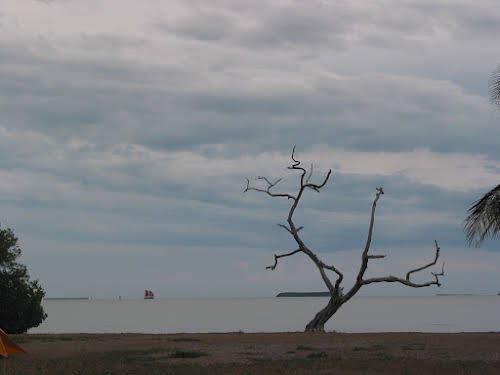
187,354
185,339
256,354
317,355
374,347
50,338
413,347
304,347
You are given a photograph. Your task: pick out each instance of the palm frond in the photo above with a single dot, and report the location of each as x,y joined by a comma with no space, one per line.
484,218
494,86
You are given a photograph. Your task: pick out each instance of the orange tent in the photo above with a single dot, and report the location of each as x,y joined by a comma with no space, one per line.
7,346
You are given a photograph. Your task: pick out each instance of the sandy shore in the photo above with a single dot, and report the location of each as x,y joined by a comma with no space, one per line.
266,353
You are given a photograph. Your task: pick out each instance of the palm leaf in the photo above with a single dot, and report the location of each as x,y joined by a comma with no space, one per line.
494,86
484,218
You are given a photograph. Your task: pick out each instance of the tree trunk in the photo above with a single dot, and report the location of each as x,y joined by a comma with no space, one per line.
317,324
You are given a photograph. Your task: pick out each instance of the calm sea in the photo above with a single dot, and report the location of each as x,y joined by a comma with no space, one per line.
361,314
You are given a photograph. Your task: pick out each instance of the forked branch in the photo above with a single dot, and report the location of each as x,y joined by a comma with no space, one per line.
407,281
296,165
364,256
270,185
276,257
289,230
427,265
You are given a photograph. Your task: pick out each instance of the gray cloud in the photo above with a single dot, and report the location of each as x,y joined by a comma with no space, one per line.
135,136
334,25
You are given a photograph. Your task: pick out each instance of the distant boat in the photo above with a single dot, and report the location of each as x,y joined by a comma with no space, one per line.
148,294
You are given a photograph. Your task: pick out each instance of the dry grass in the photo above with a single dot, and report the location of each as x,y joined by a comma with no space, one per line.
277,353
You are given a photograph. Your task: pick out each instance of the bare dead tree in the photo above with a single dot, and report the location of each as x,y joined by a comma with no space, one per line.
337,295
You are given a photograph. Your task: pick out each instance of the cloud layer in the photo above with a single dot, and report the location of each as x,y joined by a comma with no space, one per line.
128,129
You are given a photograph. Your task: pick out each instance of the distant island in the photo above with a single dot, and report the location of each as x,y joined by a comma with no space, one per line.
304,294
64,298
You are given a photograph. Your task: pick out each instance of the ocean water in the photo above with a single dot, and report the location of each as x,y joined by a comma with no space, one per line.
361,314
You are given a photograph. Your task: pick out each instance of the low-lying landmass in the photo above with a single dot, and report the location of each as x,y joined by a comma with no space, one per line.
257,353
303,294
65,298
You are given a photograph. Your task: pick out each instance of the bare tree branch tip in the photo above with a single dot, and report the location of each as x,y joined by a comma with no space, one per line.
310,174
376,256
276,257
284,227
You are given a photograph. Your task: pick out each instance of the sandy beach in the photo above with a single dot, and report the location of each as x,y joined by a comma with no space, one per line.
261,353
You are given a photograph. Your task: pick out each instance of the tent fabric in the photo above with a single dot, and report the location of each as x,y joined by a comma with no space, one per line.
7,346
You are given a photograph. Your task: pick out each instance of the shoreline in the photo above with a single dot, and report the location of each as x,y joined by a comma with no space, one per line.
257,353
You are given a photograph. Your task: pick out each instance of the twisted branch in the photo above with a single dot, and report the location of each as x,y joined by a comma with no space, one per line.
364,256
276,257
427,265
288,229
406,280
268,190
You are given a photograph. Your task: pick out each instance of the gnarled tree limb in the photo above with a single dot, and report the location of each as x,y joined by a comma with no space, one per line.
364,255
406,280
427,265
268,190
276,257
288,229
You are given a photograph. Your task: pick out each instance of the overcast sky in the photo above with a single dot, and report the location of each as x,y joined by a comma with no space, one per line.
128,127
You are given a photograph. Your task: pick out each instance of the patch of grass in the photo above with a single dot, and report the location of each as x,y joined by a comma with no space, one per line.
130,355
413,347
317,355
187,354
303,347
262,360
384,356
185,339
374,347
358,348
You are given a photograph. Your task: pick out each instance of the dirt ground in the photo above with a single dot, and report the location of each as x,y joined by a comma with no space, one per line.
262,353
